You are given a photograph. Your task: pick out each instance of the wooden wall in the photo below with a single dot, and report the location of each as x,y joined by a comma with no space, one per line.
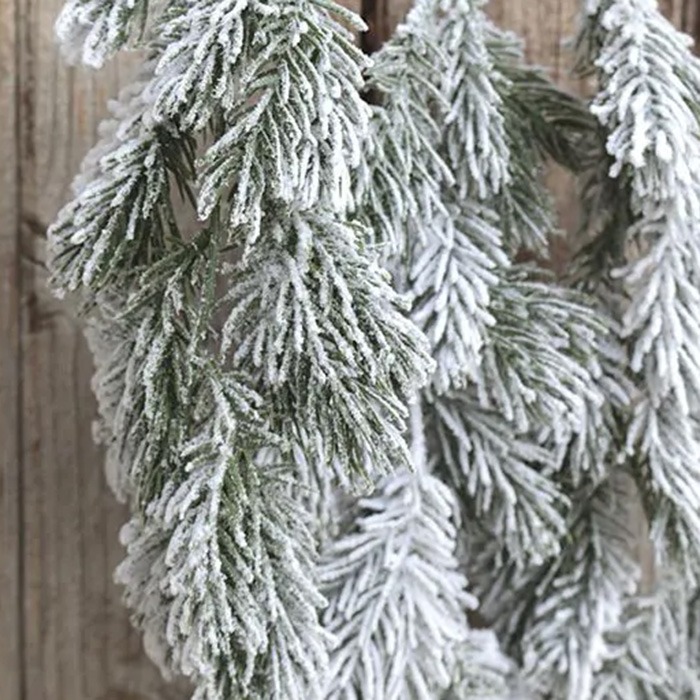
63,632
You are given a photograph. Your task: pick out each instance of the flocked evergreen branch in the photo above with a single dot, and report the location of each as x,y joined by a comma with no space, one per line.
122,215
514,398
542,123
280,80
512,298
220,560
533,362
555,617
504,478
538,320
400,180
317,319
91,31
483,672
586,447
212,539
474,135
648,91
455,261
534,368
392,633
151,364
379,561
398,600
327,285
610,651
218,576
451,277
646,653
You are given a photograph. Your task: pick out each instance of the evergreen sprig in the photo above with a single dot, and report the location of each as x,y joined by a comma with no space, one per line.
257,322
649,88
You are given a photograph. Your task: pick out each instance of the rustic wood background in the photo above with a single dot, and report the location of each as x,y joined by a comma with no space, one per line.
63,632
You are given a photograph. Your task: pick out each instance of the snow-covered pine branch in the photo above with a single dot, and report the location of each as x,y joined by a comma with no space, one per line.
122,216
219,559
529,371
291,138
502,476
125,186
277,79
483,672
558,122
400,179
404,187
455,256
524,353
208,530
397,599
318,321
541,122
533,350
151,365
451,275
554,618
539,334
474,133
646,654
219,576
649,86
539,422
262,352
541,355
554,368
91,31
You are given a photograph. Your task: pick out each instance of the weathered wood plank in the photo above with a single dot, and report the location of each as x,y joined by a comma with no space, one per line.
544,27
72,611
685,14
10,462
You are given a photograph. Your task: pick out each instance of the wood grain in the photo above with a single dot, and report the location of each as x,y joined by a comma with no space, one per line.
64,634
11,640
77,643
685,14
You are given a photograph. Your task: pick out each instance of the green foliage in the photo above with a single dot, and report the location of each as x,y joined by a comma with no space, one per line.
217,573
